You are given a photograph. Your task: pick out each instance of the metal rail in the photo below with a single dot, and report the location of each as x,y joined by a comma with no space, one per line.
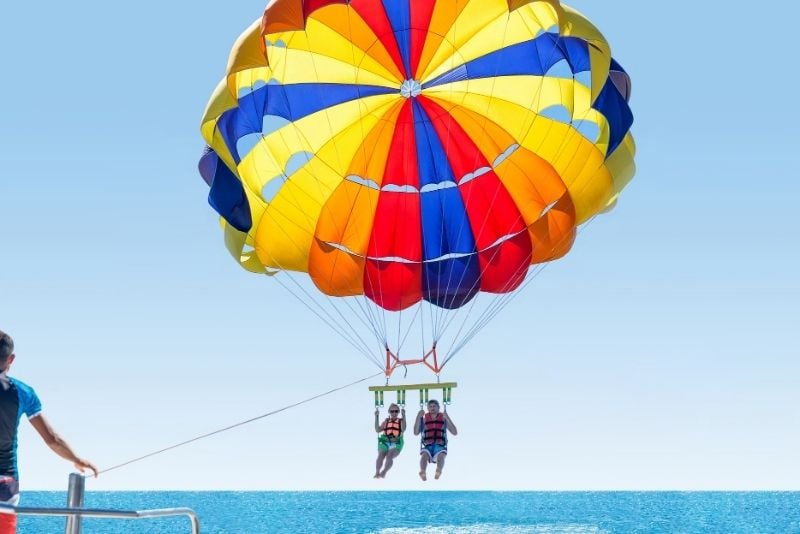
102,513
75,510
75,494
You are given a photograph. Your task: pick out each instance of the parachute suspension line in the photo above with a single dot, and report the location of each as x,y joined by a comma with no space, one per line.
497,304
355,339
368,319
399,326
433,310
508,298
441,315
366,308
450,320
445,317
383,337
240,423
503,299
422,325
496,307
331,321
437,314
362,316
344,321
333,302
378,312
370,308
410,326
320,312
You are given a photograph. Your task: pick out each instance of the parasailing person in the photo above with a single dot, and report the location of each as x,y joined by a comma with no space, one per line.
390,438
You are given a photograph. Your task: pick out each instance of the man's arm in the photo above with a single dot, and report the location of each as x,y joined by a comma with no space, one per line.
418,422
377,419
403,420
451,426
59,446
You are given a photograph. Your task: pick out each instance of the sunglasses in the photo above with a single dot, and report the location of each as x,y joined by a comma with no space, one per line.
394,411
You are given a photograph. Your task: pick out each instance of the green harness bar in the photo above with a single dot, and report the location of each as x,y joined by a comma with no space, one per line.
424,389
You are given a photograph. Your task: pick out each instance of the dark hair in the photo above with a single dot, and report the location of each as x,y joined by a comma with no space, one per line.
433,401
6,346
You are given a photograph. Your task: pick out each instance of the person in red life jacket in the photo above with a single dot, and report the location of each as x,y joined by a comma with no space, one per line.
434,427
18,399
390,440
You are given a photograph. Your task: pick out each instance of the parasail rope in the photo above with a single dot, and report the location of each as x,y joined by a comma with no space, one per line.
236,425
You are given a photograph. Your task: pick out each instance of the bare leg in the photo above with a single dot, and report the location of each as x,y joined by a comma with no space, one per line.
394,453
379,464
440,464
423,466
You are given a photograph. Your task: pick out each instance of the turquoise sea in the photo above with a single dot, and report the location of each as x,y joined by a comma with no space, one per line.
439,513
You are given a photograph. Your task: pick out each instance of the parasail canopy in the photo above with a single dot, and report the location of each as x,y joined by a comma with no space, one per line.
414,156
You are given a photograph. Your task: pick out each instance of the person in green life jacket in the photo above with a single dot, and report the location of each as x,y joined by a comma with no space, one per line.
390,438
434,427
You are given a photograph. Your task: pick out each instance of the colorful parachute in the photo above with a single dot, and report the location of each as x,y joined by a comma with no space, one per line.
413,155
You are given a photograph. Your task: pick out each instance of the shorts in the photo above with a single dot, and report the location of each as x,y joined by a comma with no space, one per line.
433,451
385,444
9,494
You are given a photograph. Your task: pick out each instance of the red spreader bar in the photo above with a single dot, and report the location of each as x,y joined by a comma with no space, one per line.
393,361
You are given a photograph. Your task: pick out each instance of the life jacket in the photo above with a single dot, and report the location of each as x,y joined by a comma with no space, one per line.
434,431
393,429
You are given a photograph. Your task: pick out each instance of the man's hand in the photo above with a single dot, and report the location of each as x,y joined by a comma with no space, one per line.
403,412
82,465
420,414
377,411
58,445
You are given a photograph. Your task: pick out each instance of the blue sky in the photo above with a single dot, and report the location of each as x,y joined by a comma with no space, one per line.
661,353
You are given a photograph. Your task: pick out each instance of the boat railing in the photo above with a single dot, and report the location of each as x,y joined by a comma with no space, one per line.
75,511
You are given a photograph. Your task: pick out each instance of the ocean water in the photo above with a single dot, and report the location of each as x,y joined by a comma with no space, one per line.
438,512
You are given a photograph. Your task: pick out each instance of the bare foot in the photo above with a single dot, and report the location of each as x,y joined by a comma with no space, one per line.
382,474
377,475
437,475
423,476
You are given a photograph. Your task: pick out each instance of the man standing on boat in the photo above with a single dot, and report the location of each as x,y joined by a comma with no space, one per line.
434,427
16,399
390,440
